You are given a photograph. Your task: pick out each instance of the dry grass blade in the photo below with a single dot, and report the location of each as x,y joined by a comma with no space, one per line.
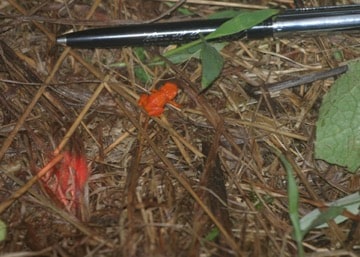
209,111
223,4
212,180
41,200
20,122
4,205
153,188
174,173
78,120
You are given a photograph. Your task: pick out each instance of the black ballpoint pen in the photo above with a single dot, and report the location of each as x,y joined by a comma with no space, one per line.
292,21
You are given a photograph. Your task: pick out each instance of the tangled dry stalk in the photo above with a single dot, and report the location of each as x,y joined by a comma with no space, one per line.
198,181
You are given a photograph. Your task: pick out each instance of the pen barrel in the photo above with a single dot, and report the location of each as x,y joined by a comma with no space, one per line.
143,34
314,20
302,21
305,21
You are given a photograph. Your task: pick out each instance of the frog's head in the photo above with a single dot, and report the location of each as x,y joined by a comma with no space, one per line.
170,89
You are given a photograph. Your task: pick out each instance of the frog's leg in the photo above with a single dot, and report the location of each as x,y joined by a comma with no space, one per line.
143,100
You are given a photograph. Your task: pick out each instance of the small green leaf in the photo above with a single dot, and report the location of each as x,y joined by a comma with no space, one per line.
183,53
241,22
338,56
2,231
142,75
213,234
118,65
212,63
139,71
140,53
293,196
338,125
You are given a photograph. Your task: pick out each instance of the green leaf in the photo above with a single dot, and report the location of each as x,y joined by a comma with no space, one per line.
338,125
139,71
212,63
237,24
2,231
142,75
184,53
241,22
318,219
213,234
211,59
338,56
140,53
293,197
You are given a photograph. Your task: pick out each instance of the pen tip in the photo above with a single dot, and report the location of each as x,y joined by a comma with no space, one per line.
61,40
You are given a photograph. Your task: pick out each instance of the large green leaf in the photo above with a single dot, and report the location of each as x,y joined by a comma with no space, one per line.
237,24
211,60
338,126
241,22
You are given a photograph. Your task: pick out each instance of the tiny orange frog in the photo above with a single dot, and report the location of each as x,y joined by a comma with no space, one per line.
155,102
